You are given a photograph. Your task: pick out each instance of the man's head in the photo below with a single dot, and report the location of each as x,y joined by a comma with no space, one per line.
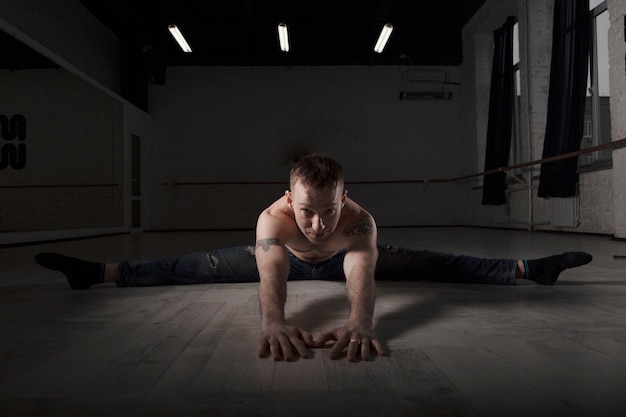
317,196
317,172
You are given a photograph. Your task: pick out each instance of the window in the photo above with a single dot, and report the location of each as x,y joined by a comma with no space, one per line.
597,111
516,135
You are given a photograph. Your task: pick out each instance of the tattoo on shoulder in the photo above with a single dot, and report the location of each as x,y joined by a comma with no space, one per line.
359,229
266,243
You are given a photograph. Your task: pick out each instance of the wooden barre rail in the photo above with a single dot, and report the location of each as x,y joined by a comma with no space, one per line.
611,145
59,186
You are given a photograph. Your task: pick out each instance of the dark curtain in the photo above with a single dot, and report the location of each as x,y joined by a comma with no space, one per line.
566,98
501,105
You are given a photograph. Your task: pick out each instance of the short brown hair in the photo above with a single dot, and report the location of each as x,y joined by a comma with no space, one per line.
316,171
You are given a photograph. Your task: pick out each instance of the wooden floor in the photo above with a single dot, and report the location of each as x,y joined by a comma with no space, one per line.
461,350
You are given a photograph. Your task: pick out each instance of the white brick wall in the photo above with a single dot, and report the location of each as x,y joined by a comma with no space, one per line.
617,79
535,57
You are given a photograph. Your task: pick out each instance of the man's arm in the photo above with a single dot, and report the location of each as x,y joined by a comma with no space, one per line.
277,338
273,265
359,266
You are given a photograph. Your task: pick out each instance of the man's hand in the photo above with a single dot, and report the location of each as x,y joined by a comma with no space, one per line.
281,340
358,340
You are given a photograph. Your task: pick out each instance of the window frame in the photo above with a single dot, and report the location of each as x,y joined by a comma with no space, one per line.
515,156
595,159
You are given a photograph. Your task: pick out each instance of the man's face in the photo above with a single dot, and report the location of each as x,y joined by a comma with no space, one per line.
317,212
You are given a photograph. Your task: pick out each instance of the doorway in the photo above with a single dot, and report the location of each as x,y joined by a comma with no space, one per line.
135,183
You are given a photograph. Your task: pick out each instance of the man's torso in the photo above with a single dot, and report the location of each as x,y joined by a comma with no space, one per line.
351,217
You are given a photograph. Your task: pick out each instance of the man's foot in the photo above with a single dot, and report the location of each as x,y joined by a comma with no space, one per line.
80,274
545,271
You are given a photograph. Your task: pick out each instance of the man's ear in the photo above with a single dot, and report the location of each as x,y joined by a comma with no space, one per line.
289,198
343,197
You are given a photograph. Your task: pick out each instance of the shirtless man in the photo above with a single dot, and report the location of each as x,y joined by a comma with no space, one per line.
314,221
314,231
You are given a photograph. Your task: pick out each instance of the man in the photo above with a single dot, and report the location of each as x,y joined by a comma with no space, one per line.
314,231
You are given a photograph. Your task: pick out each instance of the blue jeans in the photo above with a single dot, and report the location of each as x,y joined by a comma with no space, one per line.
238,264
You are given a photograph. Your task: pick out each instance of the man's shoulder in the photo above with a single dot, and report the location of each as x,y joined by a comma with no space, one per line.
276,220
354,213
279,209
357,221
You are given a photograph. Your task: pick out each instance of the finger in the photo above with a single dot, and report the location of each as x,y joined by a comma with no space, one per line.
300,346
326,337
307,338
275,350
285,346
365,349
339,347
264,350
379,347
353,350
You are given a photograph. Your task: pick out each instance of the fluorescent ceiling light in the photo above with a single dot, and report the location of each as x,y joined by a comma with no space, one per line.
182,42
383,38
283,37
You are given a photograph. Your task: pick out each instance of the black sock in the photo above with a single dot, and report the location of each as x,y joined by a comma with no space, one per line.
545,271
80,274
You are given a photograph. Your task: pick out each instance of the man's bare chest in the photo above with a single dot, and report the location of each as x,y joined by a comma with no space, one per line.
309,252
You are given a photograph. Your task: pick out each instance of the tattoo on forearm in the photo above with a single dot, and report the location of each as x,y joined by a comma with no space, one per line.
359,229
266,243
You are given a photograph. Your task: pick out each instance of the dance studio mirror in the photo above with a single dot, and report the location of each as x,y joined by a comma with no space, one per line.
61,147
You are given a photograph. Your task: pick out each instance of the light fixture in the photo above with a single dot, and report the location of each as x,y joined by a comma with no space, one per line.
182,42
283,37
383,38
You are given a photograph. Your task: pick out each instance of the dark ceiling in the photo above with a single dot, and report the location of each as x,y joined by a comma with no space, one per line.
322,32
244,33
